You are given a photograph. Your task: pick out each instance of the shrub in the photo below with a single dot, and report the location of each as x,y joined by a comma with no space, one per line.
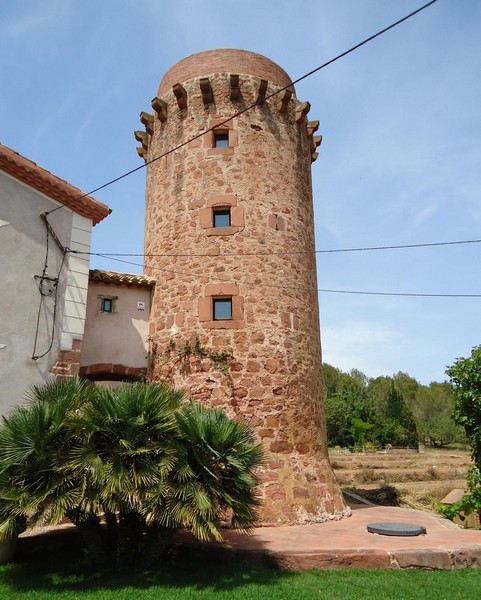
139,455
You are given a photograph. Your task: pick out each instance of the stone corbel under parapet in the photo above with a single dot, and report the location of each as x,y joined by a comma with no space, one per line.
302,110
142,152
261,92
234,88
206,89
285,99
314,140
312,127
143,137
181,95
147,120
160,108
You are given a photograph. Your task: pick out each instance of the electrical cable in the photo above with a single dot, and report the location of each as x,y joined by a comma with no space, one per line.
247,108
44,277
44,273
217,278
284,253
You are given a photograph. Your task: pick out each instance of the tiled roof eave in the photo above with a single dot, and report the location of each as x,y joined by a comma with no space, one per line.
52,186
127,279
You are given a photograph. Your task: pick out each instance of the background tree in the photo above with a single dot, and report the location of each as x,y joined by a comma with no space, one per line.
465,377
432,409
350,416
379,410
399,419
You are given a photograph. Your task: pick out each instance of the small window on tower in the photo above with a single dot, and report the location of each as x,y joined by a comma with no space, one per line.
221,309
221,217
221,139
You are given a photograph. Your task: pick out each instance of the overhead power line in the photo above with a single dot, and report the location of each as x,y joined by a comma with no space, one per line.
284,253
257,283
247,108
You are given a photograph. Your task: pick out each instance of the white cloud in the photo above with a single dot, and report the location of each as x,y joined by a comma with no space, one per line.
361,345
424,213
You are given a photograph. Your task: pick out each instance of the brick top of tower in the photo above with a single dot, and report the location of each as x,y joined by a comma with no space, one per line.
225,60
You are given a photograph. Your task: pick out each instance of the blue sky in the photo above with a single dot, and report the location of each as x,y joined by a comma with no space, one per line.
400,161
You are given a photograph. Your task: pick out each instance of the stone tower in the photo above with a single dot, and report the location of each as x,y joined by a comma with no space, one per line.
229,236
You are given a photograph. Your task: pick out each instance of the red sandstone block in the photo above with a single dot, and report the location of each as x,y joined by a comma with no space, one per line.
300,492
280,447
302,448
271,365
265,433
222,289
276,492
257,338
424,558
339,559
272,421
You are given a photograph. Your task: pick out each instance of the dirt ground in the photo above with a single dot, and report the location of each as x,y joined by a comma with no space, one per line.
402,477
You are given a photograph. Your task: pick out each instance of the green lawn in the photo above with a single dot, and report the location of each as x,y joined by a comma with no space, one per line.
202,579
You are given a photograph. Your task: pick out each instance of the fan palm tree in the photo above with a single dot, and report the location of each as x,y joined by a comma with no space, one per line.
135,457
125,448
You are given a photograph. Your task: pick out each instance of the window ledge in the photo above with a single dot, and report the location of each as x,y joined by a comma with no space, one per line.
215,151
222,230
224,324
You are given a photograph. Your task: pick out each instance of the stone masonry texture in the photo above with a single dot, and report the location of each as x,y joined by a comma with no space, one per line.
264,364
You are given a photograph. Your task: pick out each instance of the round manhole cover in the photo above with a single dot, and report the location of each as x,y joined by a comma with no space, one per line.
402,529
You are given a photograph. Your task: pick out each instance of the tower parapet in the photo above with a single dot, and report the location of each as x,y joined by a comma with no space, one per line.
229,236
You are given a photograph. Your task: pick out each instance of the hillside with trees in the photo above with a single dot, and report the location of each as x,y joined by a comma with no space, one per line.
387,411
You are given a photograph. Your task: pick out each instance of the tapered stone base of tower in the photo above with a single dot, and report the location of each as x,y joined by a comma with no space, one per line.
300,489
230,240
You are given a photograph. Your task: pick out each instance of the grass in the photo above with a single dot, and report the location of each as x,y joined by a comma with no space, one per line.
68,578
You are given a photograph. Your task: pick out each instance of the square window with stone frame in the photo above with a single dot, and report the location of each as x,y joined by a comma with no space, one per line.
221,217
221,309
221,138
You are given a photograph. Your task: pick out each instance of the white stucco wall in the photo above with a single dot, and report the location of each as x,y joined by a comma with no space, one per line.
77,282
22,257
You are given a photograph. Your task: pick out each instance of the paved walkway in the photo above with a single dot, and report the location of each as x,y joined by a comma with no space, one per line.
347,543
331,545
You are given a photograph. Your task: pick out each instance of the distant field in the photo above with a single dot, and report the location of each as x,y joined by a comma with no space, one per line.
420,480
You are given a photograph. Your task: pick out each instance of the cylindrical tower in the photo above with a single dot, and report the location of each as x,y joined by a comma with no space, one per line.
229,237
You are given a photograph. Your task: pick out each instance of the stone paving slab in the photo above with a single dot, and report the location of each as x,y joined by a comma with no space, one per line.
347,543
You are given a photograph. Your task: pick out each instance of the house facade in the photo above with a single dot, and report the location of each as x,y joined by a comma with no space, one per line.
115,343
43,296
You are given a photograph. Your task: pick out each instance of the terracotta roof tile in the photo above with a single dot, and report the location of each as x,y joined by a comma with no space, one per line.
129,279
42,180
